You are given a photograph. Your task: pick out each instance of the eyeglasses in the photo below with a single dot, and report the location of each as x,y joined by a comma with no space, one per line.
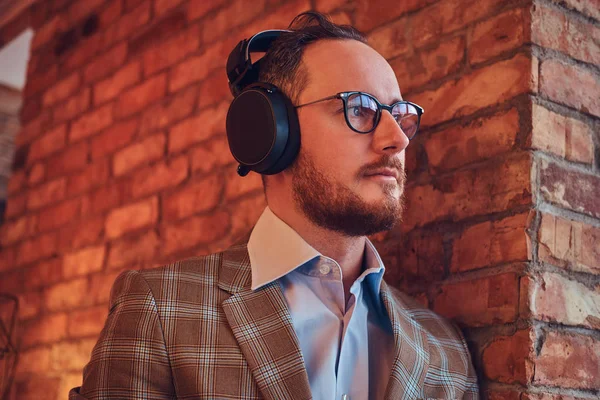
363,112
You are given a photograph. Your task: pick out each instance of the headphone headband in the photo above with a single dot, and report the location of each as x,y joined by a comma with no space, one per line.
241,72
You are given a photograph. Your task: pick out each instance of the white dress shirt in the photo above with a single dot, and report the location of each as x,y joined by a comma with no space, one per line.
347,346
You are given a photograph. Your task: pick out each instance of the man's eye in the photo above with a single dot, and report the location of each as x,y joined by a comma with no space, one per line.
356,111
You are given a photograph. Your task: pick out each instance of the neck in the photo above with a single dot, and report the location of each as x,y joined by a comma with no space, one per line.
347,251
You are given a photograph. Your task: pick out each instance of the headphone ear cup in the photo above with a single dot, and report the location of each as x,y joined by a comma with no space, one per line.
292,147
258,129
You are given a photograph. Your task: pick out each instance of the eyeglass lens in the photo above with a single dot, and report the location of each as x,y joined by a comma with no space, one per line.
361,111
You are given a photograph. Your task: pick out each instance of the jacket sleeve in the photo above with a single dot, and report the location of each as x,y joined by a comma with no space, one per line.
130,359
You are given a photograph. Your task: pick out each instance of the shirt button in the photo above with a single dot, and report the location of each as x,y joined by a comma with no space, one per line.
345,397
324,269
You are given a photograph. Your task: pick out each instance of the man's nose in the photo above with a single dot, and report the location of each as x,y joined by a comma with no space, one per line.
388,136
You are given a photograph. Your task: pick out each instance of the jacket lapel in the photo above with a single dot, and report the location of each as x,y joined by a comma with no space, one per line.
262,325
411,359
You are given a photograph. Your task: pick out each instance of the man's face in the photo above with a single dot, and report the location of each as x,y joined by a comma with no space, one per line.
332,178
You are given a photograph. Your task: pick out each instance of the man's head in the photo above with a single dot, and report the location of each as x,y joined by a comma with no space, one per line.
332,181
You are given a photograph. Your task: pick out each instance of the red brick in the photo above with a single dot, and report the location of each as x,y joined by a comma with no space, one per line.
498,242
111,87
490,188
109,14
48,143
481,88
32,129
446,16
171,51
371,14
499,34
74,158
149,149
556,298
48,31
566,137
87,322
139,97
160,176
199,8
81,233
559,353
93,176
43,273
62,89
73,106
114,138
92,122
100,286
67,295
84,261
571,85
326,6
474,141
196,68
128,24
16,181
47,329
280,19
234,14
198,128
509,359
214,89
570,189
238,186
106,197
131,217
211,154
8,256
85,51
36,360
429,64
194,231
196,197
67,356
133,250
37,386
48,193
37,248
552,28
40,80
80,9
37,174
587,7
492,300
106,63
14,231
16,205
422,261
170,110
391,40
30,304
163,27
162,6
59,215
12,282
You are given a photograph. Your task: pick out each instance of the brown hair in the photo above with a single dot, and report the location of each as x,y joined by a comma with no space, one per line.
282,64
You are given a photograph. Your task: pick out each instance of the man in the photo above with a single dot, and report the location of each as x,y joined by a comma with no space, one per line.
301,310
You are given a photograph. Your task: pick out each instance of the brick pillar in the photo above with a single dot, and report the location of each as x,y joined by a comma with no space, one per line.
502,229
122,163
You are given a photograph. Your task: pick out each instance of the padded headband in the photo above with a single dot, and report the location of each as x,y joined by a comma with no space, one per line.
241,72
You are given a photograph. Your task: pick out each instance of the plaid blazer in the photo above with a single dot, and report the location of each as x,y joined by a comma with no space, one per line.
195,330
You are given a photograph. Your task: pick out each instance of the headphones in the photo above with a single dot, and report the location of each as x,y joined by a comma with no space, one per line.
262,125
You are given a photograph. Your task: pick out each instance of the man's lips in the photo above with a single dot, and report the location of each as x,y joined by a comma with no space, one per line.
384,172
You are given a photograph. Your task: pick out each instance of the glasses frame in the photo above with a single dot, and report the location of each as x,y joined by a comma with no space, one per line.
380,106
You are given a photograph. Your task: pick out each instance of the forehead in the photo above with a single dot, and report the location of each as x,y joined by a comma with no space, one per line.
338,65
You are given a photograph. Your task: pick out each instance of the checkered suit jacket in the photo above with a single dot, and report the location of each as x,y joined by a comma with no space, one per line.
195,330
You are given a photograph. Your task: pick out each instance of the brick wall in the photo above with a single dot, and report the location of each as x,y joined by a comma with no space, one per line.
10,103
122,163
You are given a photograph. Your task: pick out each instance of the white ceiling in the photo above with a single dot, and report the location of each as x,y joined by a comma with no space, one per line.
13,60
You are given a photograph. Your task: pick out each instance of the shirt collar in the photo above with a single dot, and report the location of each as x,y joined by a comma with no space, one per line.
275,249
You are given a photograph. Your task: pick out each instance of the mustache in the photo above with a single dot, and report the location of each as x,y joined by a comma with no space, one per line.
385,162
